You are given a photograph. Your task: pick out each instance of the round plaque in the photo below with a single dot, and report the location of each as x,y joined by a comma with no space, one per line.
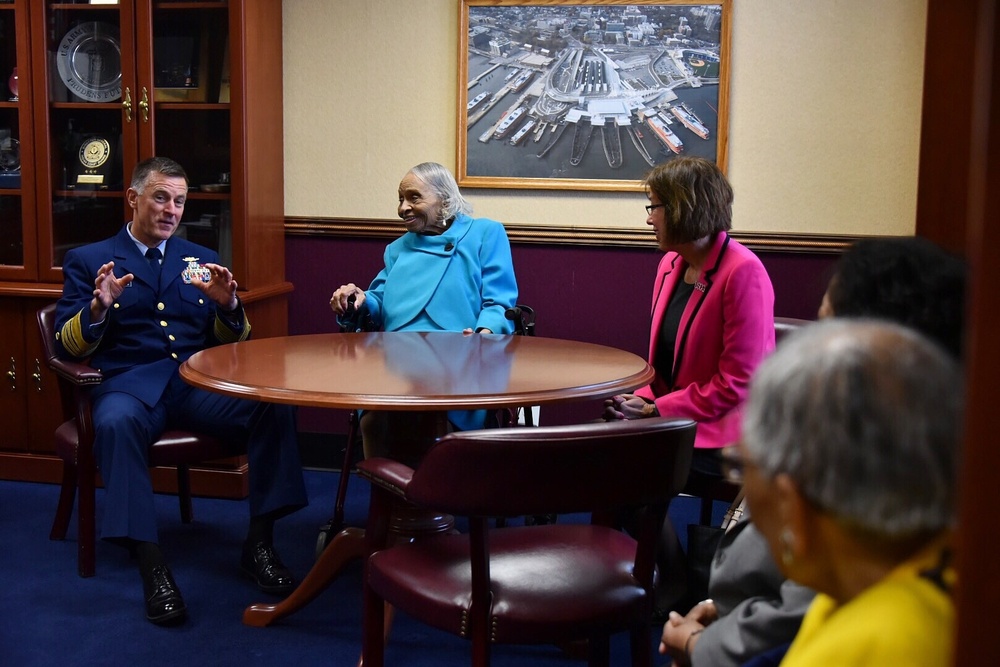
89,59
94,152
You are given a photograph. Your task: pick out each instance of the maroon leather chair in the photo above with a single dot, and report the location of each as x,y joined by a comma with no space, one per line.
74,443
534,584
523,317
710,489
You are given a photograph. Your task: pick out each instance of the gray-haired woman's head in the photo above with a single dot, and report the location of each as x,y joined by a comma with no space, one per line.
864,417
443,183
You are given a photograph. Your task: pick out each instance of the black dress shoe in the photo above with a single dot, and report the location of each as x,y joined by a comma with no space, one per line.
262,564
164,604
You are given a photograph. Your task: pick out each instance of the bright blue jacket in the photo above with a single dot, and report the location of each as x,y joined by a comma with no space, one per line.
463,278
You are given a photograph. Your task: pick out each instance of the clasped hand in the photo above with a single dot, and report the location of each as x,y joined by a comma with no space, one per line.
628,406
339,300
680,633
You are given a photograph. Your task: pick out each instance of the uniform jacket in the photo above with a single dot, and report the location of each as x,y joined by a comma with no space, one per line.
463,278
725,331
156,323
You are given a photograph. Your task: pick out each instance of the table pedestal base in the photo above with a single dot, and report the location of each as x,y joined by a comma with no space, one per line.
407,523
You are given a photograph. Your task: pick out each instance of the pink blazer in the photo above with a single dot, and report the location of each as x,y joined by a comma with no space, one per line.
726,330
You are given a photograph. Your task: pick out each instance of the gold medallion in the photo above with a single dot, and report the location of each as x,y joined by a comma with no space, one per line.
94,152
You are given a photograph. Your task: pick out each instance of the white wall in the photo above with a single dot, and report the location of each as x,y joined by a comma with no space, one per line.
824,115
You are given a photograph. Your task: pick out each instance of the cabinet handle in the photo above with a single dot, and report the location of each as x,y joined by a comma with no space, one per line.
12,374
144,105
127,104
38,376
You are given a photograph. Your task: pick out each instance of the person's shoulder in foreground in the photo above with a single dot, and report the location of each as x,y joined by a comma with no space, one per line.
850,445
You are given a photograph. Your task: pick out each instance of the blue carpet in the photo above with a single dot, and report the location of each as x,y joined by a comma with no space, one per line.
52,616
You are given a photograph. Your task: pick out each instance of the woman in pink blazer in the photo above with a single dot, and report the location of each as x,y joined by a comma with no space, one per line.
712,318
712,323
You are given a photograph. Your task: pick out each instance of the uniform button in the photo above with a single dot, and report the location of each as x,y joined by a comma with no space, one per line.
201,301
173,354
171,337
117,305
163,323
160,306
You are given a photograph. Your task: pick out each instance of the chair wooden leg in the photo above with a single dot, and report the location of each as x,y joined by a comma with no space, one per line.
67,497
184,492
373,634
86,531
387,617
480,651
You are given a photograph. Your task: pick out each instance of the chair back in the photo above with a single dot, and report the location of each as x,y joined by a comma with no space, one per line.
561,469
47,327
783,326
73,376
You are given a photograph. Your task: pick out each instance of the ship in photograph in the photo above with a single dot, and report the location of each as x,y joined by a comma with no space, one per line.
520,134
476,101
508,123
581,137
689,120
665,134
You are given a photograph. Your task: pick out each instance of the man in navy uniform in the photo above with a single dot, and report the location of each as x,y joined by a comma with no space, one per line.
127,307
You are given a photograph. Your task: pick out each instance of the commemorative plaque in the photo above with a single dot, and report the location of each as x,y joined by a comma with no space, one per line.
94,164
89,59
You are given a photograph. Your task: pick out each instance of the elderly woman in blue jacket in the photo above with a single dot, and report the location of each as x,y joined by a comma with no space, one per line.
448,272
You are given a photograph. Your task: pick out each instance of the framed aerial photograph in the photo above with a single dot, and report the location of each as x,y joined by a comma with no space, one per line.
579,95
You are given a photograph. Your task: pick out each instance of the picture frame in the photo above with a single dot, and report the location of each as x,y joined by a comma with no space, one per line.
589,94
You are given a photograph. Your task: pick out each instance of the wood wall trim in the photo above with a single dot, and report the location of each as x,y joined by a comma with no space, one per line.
355,228
47,291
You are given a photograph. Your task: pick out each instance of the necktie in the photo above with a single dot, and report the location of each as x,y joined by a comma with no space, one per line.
153,256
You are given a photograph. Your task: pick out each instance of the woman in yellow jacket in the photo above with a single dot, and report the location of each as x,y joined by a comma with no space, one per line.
849,452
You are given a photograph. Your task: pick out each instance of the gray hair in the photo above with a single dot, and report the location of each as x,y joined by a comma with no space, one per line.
440,180
155,165
865,417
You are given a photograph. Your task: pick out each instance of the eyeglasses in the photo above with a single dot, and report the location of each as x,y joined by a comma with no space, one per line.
652,207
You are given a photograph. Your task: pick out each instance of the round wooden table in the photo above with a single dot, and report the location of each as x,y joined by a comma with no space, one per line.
435,371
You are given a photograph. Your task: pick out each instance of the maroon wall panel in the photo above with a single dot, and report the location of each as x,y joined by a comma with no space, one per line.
591,294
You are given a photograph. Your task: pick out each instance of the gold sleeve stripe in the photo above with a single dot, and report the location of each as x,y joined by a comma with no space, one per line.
225,334
71,335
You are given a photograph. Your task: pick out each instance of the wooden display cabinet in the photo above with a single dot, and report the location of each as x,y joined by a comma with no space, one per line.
101,86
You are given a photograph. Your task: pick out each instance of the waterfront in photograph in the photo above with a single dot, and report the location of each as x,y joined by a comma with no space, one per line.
590,91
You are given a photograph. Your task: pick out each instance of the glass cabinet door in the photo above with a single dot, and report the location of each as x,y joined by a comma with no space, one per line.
125,81
88,125
187,67
17,240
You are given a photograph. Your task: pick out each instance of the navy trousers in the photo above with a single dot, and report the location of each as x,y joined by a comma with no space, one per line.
124,427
